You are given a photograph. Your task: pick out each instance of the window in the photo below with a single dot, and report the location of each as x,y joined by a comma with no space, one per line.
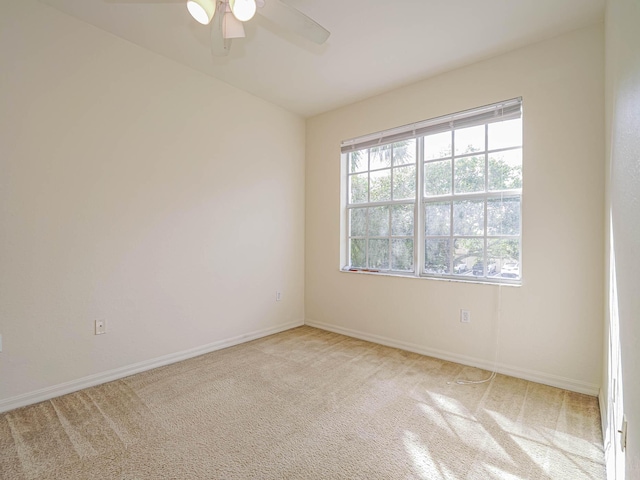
382,197
440,198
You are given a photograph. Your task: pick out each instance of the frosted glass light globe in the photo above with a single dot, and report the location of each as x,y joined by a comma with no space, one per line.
201,10
243,10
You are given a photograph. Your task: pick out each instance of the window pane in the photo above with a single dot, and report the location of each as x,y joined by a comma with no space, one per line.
380,157
437,178
358,254
437,145
380,186
503,216
505,255
505,134
479,270
468,217
404,152
379,221
469,174
437,256
358,161
437,218
469,140
358,222
402,220
404,182
505,170
358,188
379,253
402,254
466,254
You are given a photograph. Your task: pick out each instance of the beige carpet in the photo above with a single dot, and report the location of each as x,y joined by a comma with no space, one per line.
306,404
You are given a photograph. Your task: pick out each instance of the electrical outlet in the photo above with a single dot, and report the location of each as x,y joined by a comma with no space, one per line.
101,327
278,296
465,316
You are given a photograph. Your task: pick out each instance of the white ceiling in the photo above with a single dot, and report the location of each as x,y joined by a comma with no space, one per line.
375,45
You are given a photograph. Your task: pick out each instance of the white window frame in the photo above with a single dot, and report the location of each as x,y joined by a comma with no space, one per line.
486,115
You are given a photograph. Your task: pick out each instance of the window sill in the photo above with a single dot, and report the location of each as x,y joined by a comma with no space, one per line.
472,280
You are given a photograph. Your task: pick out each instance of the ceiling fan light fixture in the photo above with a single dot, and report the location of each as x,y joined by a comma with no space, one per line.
202,10
243,10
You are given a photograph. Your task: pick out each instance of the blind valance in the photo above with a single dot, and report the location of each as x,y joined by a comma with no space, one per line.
497,112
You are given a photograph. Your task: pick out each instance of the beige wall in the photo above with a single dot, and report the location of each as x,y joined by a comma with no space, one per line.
551,326
135,190
623,205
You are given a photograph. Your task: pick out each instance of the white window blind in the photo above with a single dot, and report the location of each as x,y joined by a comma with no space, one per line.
497,112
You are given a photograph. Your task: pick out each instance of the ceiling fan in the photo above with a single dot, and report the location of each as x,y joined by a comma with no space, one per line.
226,18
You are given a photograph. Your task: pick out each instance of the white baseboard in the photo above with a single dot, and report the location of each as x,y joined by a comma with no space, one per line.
532,375
603,410
115,374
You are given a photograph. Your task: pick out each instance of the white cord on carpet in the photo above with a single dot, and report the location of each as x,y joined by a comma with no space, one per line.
498,317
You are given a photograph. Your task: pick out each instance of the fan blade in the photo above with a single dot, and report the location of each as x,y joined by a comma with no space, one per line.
220,46
294,20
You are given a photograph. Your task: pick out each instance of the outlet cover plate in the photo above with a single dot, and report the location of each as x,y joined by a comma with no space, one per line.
101,327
